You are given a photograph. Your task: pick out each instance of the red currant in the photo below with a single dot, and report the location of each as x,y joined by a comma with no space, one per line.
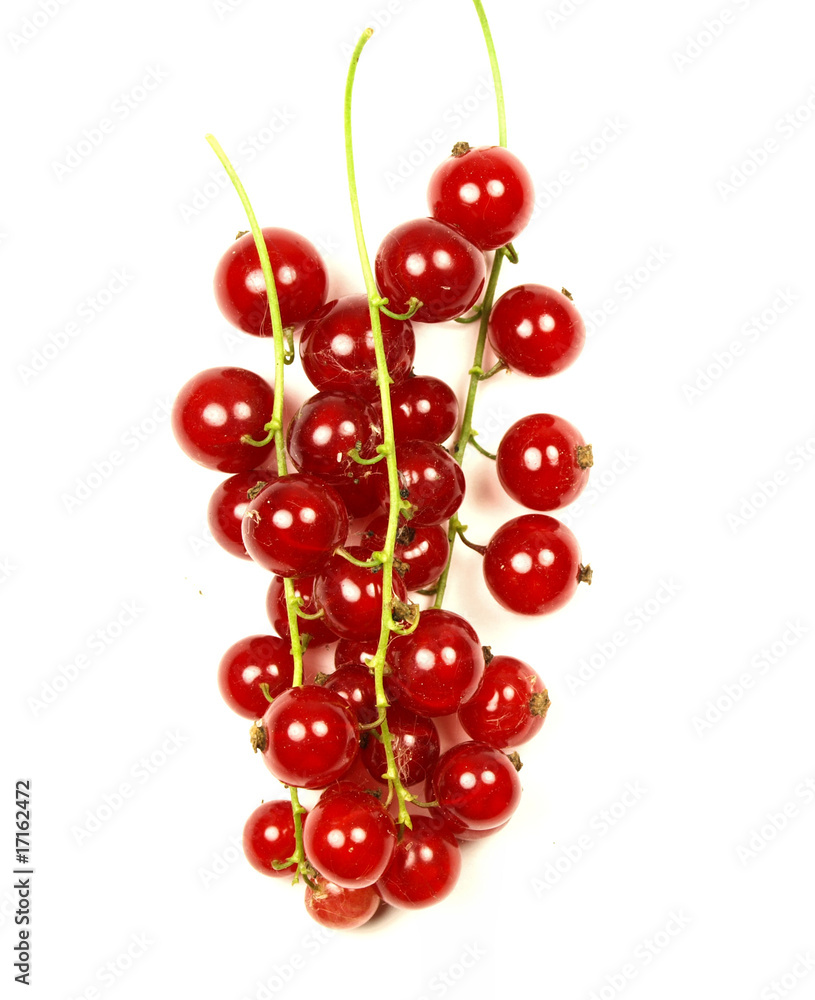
215,409
351,595
424,409
425,867
311,737
536,330
228,505
250,662
269,836
423,550
532,565
355,651
359,489
300,276
431,479
325,428
415,742
427,260
508,706
338,908
476,786
276,609
354,683
486,193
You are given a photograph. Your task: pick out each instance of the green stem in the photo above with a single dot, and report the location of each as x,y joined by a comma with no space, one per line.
478,448
496,74
388,447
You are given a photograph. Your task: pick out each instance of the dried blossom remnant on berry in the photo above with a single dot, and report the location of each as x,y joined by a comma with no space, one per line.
460,149
585,456
515,760
258,738
568,294
539,704
584,574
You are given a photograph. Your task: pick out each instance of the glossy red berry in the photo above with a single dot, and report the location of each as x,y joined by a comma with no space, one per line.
276,609
359,490
438,665
425,866
325,428
351,595
424,409
415,742
485,192
532,565
431,479
293,525
300,276
476,786
311,737
509,705
215,409
542,462
349,838
536,330
427,260
423,550
228,505
269,837
338,908
250,662
355,651
337,347
355,685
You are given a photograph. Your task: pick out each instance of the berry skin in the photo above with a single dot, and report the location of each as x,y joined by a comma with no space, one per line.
425,868
300,279
353,651
250,662
338,908
320,633
485,193
351,596
349,838
355,684
415,742
337,347
311,737
228,505
293,525
509,705
423,550
429,261
325,428
215,409
532,565
438,665
476,786
269,836
425,409
431,479
541,462
536,330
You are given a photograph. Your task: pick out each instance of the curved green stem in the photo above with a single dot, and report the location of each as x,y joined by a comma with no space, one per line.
483,451
414,305
496,74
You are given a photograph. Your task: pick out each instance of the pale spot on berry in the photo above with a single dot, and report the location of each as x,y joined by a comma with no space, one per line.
249,674
423,406
469,193
242,411
426,853
286,275
495,188
308,516
508,692
467,780
552,454
335,838
282,519
322,434
415,264
240,509
271,833
524,329
425,659
533,459
347,427
350,591
492,704
214,415
342,345
431,474
442,260
319,728
358,835
488,777
296,732
521,562
448,655
546,323
546,557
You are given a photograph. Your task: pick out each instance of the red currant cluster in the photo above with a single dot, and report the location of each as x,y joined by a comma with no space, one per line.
369,444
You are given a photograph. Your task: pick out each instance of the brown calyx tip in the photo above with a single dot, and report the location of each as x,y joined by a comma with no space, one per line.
259,486
241,232
401,567
568,294
488,657
515,757
539,703
405,535
320,678
584,574
585,456
461,148
404,612
258,738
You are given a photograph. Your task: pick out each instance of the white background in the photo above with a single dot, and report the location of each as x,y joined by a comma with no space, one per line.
698,525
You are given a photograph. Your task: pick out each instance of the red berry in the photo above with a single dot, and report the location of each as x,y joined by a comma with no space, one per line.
320,633
427,260
300,276
311,737
476,786
250,662
359,490
424,409
325,428
355,685
431,479
532,565
337,347
338,908
423,550
508,706
486,193
228,505
541,462
349,838
215,409
355,651
425,867
536,330
293,525
351,596
269,836
438,665
415,742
